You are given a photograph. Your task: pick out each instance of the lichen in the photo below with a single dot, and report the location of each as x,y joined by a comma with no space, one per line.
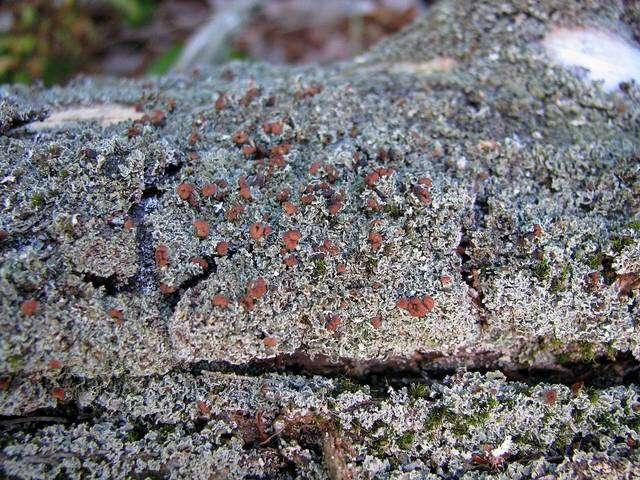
241,426
506,193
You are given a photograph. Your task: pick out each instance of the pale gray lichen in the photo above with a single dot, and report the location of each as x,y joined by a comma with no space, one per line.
509,142
466,426
455,163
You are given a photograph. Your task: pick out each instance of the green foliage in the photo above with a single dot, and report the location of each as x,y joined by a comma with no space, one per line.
134,12
234,54
595,261
405,442
15,361
459,427
418,390
163,64
135,434
542,270
593,394
559,283
587,352
37,200
436,417
52,40
319,267
393,210
619,243
46,40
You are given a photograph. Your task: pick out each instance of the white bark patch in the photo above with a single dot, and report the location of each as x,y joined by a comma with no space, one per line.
106,114
607,56
438,64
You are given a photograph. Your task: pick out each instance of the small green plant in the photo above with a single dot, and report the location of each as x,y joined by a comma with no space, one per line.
46,40
436,417
393,210
418,390
134,12
461,424
15,361
619,243
163,64
319,268
587,352
595,261
372,264
542,270
235,54
559,283
405,442
37,200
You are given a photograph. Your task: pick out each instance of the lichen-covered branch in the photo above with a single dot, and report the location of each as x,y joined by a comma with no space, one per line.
454,198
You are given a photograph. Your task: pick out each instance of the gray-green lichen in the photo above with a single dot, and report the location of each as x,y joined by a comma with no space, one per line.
452,198
528,174
227,426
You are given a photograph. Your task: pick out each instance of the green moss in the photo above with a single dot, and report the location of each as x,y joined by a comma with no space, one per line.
460,425
235,54
480,418
15,361
379,393
559,284
319,267
405,442
135,12
620,243
607,421
521,440
587,351
393,210
217,390
163,64
592,394
635,225
136,434
372,264
542,270
165,430
418,390
563,358
344,384
37,200
436,417
381,447
611,352
595,261
633,423
577,415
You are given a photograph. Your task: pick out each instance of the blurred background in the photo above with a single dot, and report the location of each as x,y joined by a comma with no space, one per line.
52,40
